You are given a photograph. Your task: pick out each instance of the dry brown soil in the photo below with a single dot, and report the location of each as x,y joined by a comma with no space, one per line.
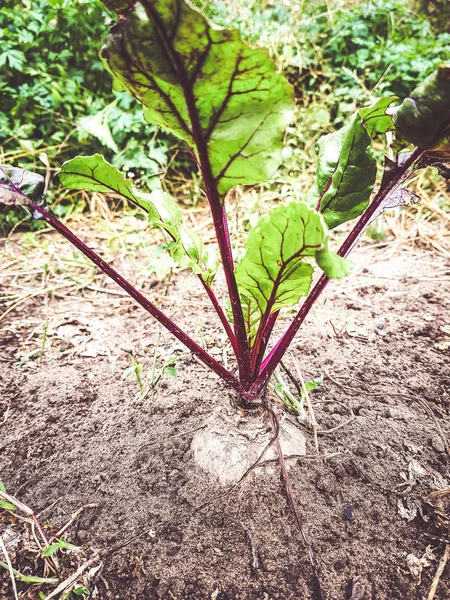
75,432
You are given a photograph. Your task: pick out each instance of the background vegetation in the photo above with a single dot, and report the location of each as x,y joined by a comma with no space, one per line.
56,99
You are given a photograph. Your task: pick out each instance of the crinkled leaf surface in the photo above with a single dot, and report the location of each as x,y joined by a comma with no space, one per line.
399,197
204,84
346,172
375,119
18,186
186,248
422,117
273,273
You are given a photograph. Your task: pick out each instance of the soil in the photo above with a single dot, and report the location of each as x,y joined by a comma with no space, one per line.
75,432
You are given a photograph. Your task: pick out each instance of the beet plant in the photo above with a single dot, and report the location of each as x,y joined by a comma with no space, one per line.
227,102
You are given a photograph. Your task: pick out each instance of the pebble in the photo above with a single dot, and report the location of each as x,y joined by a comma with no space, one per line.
82,535
437,443
349,514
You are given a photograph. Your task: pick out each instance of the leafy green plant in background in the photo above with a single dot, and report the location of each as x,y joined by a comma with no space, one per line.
56,98
50,73
53,87
384,46
337,54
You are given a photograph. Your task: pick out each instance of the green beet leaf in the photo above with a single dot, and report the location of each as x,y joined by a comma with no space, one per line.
96,174
424,117
273,273
375,119
186,247
346,172
205,85
331,263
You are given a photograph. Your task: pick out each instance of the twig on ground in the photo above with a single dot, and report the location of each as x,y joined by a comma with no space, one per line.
34,522
33,295
49,507
25,509
323,457
6,414
10,567
255,555
30,579
333,429
72,520
93,584
312,416
410,396
72,578
31,514
439,572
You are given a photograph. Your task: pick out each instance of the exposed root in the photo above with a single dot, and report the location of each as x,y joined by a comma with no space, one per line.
231,442
291,500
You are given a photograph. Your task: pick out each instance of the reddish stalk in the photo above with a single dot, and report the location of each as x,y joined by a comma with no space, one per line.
221,314
261,342
140,298
216,202
275,356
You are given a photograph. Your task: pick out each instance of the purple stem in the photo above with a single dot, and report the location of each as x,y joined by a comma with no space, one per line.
221,314
271,362
223,240
261,342
140,298
215,200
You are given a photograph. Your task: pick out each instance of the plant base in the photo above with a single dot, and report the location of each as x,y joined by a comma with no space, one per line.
229,443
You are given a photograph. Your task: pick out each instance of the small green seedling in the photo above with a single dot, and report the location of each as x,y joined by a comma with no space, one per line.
293,403
60,544
156,374
135,370
37,351
80,591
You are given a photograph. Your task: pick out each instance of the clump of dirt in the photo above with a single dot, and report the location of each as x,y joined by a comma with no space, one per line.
75,432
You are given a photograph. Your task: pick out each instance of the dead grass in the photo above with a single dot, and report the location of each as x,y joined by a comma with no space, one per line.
54,567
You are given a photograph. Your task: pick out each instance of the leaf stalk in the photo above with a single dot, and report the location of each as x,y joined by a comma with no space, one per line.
269,365
140,298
